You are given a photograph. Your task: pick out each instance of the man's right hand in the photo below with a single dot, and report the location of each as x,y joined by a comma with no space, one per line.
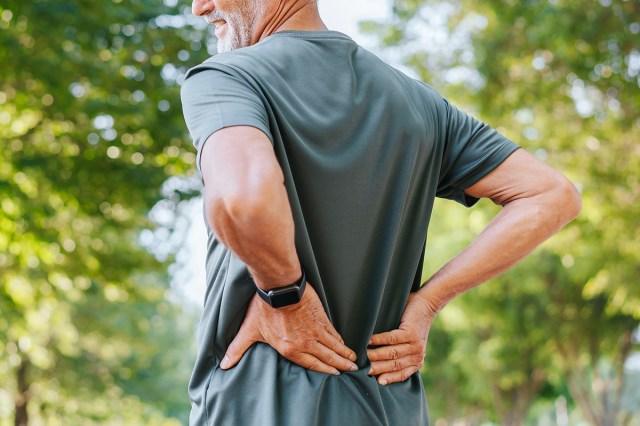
302,333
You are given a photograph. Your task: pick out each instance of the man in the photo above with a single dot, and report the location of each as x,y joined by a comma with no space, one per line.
320,166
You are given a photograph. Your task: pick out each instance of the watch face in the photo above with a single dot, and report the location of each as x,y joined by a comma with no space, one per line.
284,297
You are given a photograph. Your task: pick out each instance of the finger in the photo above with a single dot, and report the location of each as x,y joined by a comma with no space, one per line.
310,362
391,352
238,346
332,330
395,365
338,346
390,338
330,356
313,297
398,376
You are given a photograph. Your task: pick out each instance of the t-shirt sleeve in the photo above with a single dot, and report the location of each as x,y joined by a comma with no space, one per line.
472,149
215,97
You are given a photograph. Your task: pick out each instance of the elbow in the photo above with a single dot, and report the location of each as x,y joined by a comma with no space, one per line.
246,206
241,204
234,210
567,200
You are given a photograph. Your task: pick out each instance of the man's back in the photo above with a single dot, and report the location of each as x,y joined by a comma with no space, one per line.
364,151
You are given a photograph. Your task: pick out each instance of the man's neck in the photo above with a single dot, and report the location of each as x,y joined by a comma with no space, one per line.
290,16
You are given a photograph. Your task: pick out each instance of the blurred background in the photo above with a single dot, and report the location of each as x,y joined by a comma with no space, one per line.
102,242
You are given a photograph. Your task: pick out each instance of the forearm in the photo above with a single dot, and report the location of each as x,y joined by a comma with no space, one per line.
519,228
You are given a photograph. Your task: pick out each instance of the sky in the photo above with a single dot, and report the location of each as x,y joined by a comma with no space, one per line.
189,276
344,15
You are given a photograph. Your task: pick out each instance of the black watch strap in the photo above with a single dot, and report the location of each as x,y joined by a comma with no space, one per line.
284,296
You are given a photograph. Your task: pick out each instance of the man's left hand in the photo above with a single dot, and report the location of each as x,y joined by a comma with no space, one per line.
402,351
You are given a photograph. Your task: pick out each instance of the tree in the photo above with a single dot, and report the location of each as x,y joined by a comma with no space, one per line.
90,129
562,79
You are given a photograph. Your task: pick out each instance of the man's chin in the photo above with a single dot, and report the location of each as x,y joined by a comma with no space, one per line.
224,45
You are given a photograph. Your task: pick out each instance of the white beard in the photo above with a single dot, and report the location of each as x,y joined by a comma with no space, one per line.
229,42
240,25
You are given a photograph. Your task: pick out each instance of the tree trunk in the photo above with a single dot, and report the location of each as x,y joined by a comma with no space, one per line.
22,415
581,394
598,391
512,405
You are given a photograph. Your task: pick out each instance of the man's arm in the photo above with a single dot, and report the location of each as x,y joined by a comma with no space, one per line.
247,206
537,201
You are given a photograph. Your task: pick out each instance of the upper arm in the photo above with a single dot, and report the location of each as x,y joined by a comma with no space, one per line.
238,162
522,175
470,150
216,97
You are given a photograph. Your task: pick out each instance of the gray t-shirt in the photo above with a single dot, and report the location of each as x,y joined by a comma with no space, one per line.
364,150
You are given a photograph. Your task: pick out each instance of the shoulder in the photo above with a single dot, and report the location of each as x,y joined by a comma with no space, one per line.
428,92
223,63
247,60
423,96
221,71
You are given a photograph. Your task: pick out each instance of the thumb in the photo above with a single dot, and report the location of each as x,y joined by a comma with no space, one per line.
243,341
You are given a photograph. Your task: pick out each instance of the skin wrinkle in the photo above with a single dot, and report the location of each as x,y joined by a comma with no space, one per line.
283,15
250,21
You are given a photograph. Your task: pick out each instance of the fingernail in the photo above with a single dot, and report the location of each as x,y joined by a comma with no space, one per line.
225,362
369,373
337,373
383,381
354,367
353,357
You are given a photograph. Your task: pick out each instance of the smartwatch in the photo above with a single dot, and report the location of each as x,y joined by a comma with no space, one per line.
284,296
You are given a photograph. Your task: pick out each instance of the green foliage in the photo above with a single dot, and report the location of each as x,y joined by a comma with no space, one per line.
562,79
90,129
